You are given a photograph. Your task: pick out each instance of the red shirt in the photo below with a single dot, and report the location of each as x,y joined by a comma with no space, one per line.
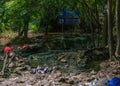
7,49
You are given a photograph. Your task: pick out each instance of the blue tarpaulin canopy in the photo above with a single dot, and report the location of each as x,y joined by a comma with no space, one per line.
69,17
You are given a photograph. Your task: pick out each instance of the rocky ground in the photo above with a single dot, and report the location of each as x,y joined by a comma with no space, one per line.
57,78
24,75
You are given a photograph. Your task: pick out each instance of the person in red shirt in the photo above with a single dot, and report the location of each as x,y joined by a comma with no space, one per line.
7,49
8,52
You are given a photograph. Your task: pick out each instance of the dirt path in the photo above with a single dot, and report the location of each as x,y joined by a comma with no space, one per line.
7,37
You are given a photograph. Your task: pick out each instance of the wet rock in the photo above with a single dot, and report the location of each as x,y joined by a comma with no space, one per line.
88,79
113,64
66,66
11,65
97,52
27,67
61,57
2,79
71,82
58,74
32,82
100,82
19,64
101,74
63,80
104,65
116,72
55,68
93,77
13,75
71,74
93,72
22,80
63,60
18,70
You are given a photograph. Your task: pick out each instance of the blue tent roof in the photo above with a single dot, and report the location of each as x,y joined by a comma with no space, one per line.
70,13
69,17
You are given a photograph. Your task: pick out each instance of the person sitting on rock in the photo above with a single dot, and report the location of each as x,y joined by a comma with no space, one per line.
8,52
23,47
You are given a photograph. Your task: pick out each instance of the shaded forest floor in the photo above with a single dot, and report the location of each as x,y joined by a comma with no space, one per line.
67,59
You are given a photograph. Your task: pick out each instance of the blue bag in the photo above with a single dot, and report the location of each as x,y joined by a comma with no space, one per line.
114,82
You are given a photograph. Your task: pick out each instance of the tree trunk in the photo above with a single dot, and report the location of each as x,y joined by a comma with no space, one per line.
92,32
26,24
117,52
20,31
98,26
105,29
110,34
46,29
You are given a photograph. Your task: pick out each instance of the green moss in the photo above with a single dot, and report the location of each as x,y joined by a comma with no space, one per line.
33,63
1,64
6,73
93,65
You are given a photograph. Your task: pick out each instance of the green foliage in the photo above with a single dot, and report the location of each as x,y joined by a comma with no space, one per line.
114,29
32,27
14,13
6,74
33,63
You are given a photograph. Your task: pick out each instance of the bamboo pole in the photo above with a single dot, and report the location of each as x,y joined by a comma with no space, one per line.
4,64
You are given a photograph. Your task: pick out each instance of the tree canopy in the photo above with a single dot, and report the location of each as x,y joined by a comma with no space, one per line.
42,16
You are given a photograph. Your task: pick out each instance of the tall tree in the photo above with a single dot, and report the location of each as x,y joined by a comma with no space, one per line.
105,31
105,28
117,52
110,34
